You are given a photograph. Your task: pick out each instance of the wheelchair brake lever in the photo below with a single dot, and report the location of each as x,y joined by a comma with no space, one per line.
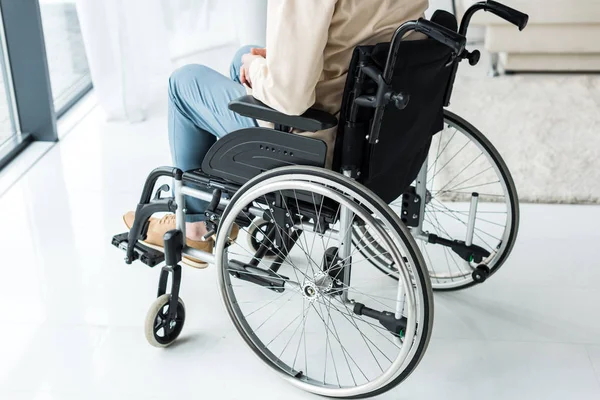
163,188
211,234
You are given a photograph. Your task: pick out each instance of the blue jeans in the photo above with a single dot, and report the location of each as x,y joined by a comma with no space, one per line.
198,117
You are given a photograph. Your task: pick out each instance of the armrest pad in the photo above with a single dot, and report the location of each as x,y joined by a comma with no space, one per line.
311,121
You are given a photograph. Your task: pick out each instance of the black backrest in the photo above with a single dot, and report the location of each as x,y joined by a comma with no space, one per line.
445,19
423,70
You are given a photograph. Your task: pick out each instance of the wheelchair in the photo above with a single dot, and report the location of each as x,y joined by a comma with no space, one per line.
332,287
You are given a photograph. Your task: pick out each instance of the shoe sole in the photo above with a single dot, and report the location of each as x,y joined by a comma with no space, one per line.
197,264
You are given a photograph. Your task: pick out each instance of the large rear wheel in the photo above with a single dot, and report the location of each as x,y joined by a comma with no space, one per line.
319,314
461,163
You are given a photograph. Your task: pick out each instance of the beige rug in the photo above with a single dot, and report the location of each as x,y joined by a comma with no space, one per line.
545,126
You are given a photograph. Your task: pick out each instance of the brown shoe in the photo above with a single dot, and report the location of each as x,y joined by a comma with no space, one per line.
233,235
235,232
156,232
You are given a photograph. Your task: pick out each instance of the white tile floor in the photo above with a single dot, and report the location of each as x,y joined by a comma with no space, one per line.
72,325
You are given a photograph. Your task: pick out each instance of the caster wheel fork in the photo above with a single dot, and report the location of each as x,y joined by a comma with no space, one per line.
166,316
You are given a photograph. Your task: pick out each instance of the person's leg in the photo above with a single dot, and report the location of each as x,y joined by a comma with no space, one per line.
188,145
198,116
236,64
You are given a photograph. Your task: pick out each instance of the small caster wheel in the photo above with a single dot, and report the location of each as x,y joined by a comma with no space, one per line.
160,331
481,274
257,232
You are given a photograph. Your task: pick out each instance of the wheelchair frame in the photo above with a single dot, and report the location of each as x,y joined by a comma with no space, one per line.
225,192
176,248
385,95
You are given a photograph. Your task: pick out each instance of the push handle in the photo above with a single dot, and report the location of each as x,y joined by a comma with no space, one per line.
509,14
442,34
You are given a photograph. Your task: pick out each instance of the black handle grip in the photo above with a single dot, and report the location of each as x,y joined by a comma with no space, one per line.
442,34
509,14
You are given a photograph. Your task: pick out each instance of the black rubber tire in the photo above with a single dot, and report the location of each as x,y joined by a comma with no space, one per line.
150,322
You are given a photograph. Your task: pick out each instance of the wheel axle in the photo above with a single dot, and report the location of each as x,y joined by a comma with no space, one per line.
481,274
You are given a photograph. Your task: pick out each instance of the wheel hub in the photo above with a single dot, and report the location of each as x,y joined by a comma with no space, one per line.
322,283
310,291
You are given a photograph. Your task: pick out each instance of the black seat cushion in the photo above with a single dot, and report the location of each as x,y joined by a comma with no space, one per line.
244,154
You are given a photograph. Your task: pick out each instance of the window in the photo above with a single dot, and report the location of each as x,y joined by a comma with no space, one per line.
8,130
67,62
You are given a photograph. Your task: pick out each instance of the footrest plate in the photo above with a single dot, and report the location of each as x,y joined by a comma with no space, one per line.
145,254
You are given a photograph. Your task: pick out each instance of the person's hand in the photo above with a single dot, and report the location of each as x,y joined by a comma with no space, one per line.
259,52
245,69
246,60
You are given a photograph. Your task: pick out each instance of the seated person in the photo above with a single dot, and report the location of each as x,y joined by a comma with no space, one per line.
305,64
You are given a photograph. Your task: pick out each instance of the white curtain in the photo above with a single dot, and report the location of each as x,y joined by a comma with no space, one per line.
251,22
133,45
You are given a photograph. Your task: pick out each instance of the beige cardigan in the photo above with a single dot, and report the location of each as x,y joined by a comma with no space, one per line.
309,47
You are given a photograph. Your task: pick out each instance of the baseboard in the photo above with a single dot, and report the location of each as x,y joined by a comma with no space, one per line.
550,62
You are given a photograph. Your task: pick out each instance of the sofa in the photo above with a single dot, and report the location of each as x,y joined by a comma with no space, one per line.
563,35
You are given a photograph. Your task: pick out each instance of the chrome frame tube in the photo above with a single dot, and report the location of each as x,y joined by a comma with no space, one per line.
345,237
400,302
421,190
201,195
424,236
306,227
472,218
203,256
180,200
